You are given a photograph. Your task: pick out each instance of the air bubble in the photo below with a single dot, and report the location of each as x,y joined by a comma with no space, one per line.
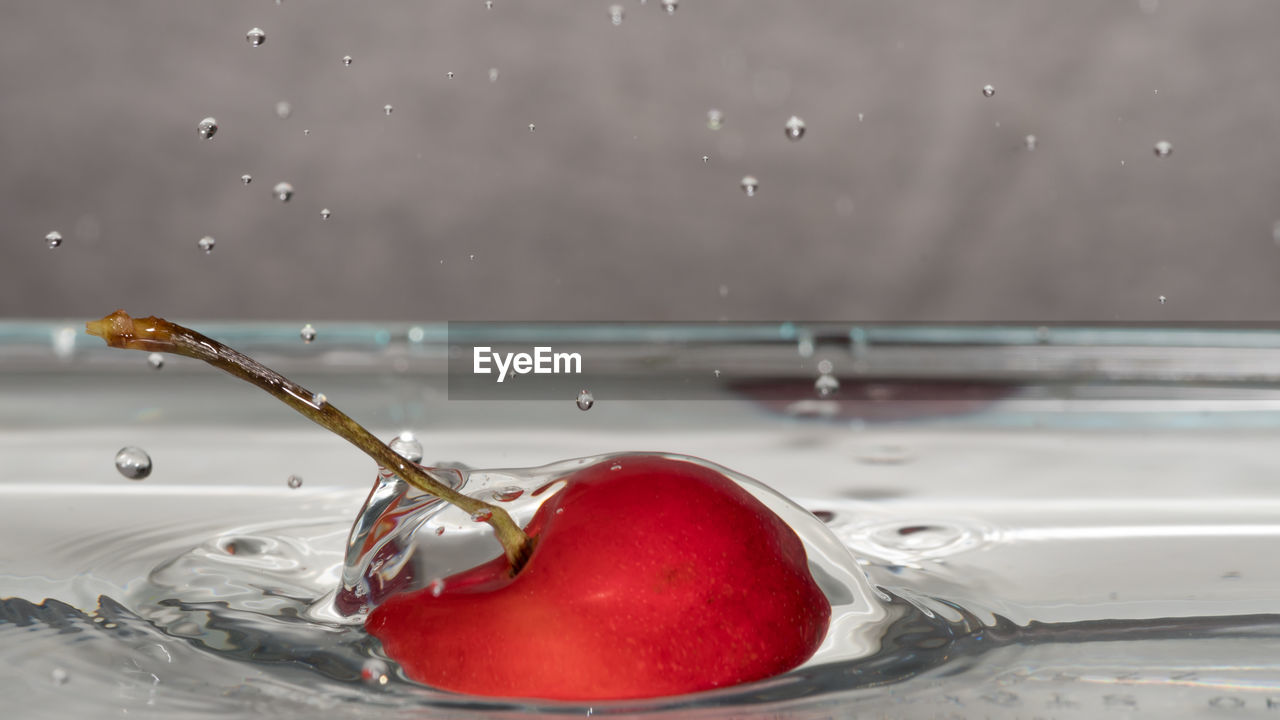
387,108
283,110
307,333
206,244
207,128
482,515
1164,148
155,360
133,463
256,37
283,191
989,90
346,60
616,14
795,128
826,385
750,185
670,6
407,446
325,214
294,482
53,239
585,400
507,494
246,178
715,119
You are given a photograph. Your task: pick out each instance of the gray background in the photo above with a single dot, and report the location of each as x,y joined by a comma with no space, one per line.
928,208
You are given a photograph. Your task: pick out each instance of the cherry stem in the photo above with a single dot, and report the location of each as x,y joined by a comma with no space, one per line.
153,334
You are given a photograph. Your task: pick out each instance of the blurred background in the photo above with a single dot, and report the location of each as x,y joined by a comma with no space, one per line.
555,160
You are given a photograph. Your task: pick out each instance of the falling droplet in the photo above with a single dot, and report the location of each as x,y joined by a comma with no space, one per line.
1031,142
724,290
374,673
1164,148
860,116
616,14
705,159
207,128
437,587
1275,232
750,185
407,446
325,214
59,676
670,6
206,244
488,4
155,360
824,367
449,74
387,109
715,119
507,494
493,74
586,400
53,239
1162,299
307,333
256,37
717,373
826,385
346,60
482,515
532,127
295,482
283,191
246,178
305,131
989,90
133,463
283,110
795,128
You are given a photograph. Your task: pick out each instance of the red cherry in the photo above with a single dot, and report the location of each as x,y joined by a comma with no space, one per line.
658,577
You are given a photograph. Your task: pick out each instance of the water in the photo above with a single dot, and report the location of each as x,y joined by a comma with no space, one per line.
133,463
795,128
283,191
307,333
255,37
995,554
246,178
1163,148
53,239
585,400
346,60
206,244
207,128
988,90
325,214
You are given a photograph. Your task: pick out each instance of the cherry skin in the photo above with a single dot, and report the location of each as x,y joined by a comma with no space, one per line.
659,577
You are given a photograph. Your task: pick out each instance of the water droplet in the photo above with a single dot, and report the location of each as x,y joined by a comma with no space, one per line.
532,127
988,90
283,110
616,466
346,60
472,256
437,587
670,6
860,116
325,214
307,333
374,672
387,109
795,128
824,367
318,400
1164,148
207,128
440,530
295,482
246,178
256,37
507,494
715,119
449,74
59,676
585,400
206,244
724,290
493,74
1275,232
53,239
407,446
1162,299
482,515
283,191
305,131
488,4
705,159
155,360
1031,142
749,185
133,463
826,385
616,14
